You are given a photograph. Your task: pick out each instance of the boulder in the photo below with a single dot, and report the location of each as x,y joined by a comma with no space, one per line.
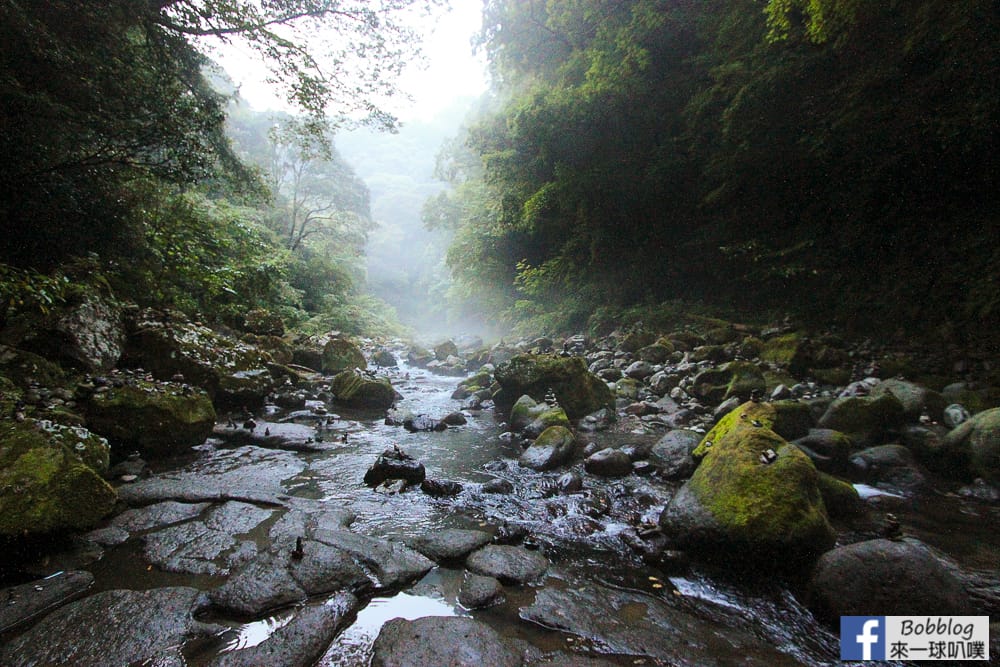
578,391
915,399
233,373
45,485
840,498
788,419
888,466
157,418
394,464
977,441
657,353
478,592
384,357
509,564
444,350
736,378
552,448
886,578
608,462
754,495
828,449
340,354
450,543
441,640
532,418
360,390
672,454
867,419
30,600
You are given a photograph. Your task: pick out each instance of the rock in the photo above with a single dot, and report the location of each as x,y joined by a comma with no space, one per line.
340,354
789,419
302,641
888,466
444,350
441,640
752,494
915,399
840,498
157,418
827,448
233,373
359,390
450,544
569,482
385,358
395,464
89,448
579,392
867,419
672,454
479,592
659,631
886,578
639,370
608,462
391,564
498,486
289,436
657,353
417,423
978,442
87,333
552,448
440,488
454,419
119,626
955,414
736,378
45,486
27,601
509,564
158,515
636,340
532,418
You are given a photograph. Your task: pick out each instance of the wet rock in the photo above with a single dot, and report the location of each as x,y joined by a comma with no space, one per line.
454,419
736,378
440,488
639,370
107,537
498,486
840,498
886,578
479,592
608,462
915,399
360,390
302,641
157,418
391,564
978,442
955,414
569,482
158,515
45,486
552,448
305,520
828,449
198,546
120,626
752,494
441,640
980,490
659,631
395,464
340,354
672,454
19,604
532,417
579,392
450,544
289,436
384,357
416,423
444,350
888,466
509,564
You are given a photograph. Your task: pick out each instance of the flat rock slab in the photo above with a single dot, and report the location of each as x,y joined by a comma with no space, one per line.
276,578
302,642
158,515
509,564
633,624
19,604
392,564
288,436
119,627
305,518
442,640
450,544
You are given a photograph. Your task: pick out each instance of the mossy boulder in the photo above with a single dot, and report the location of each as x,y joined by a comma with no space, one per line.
754,500
657,353
636,340
279,349
551,449
915,399
444,350
977,441
340,354
627,388
233,372
360,390
89,447
840,498
533,417
479,380
790,351
578,391
45,487
737,378
867,419
789,419
157,418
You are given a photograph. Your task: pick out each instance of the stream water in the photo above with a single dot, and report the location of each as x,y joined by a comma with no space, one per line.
581,534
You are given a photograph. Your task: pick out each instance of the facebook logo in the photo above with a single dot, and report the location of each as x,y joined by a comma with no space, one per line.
862,637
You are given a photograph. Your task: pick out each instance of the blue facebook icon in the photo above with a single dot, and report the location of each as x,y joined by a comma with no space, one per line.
862,637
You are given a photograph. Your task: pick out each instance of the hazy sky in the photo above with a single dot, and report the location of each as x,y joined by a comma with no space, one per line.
452,70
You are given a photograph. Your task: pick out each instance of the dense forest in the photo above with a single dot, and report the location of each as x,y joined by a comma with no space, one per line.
830,159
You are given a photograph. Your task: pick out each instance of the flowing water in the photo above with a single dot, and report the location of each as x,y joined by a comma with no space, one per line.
581,534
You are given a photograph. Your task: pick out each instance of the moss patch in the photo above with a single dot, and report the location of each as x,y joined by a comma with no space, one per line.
578,391
357,390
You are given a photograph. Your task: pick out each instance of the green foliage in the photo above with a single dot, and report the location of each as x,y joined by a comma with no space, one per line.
27,290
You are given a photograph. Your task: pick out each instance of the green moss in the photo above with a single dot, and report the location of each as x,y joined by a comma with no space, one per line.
774,378
578,391
340,355
782,350
840,498
354,389
636,340
480,380
831,376
627,388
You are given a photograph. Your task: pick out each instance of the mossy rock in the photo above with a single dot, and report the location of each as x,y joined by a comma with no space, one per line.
157,418
914,398
835,377
866,419
636,340
169,345
789,351
90,448
479,380
840,498
774,378
44,487
656,353
739,510
977,441
529,415
627,388
665,342
359,390
444,350
553,447
788,419
23,368
722,335
737,378
279,349
578,391
340,354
